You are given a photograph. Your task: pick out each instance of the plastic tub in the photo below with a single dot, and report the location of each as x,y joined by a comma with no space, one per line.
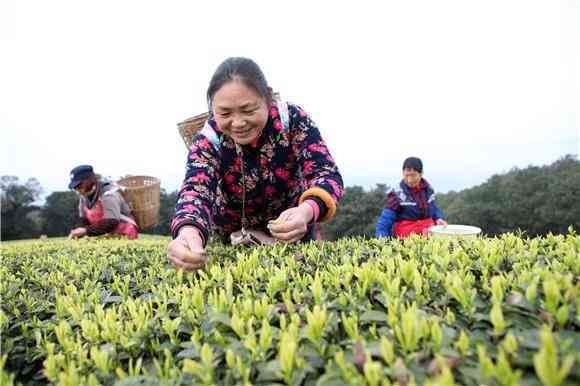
454,230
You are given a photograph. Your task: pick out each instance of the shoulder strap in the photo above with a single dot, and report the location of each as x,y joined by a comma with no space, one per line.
113,187
284,114
211,135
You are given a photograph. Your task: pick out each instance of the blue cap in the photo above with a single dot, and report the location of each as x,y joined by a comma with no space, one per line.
79,174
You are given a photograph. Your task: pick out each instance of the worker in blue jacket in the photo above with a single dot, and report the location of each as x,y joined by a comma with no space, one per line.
410,209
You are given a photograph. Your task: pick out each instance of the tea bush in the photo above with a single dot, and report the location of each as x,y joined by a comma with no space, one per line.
501,311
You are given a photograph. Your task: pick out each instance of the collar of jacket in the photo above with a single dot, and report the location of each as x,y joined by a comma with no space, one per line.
92,200
423,184
101,186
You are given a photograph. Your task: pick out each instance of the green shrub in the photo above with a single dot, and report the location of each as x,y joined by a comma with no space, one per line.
501,311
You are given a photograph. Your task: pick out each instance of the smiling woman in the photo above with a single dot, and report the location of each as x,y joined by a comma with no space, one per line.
258,172
240,112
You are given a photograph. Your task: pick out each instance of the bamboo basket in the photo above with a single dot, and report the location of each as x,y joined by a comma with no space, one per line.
190,126
142,193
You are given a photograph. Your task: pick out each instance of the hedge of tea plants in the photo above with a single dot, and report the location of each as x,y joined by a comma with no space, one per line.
501,311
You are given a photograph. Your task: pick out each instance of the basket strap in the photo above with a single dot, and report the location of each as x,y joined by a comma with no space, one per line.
115,188
284,114
211,135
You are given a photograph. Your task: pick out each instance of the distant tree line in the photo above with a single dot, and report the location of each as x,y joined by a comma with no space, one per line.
534,200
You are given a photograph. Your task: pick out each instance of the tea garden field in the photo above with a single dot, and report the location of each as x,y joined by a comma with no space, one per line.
485,311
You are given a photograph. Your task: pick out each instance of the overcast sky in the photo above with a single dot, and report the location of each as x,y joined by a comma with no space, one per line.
474,88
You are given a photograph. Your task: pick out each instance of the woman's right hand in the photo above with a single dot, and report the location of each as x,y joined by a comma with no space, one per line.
186,251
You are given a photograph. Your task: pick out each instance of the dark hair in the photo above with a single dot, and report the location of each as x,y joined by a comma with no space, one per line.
413,163
244,70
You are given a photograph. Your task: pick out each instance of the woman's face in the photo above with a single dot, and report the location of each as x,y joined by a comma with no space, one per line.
240,112
86,187
411,177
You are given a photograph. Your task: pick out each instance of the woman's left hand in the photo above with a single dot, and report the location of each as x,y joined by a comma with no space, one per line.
77,232
441,222
292,224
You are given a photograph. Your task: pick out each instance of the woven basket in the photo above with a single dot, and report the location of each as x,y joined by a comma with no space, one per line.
189,127
142,194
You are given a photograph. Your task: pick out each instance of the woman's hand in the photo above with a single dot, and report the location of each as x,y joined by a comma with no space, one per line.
186,251
292,224
77,232
441,222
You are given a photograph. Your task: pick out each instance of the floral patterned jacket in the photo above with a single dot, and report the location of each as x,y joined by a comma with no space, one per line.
289,162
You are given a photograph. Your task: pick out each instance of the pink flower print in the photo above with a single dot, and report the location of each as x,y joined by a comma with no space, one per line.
190,193
337,189
195,154
188,208
282,173
308,167
270,191
316,147
296,148
235,189
278,125
199,177
203,143
229,178
237,164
